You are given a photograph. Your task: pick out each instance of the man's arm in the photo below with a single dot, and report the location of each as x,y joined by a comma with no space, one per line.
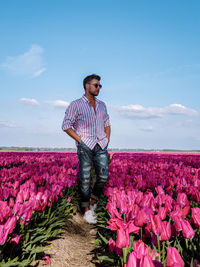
73,134
69,120
107,131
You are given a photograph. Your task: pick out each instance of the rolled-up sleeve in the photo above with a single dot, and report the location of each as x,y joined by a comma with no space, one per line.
107,119
70,116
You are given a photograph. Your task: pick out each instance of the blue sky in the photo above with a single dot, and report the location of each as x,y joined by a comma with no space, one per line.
147,53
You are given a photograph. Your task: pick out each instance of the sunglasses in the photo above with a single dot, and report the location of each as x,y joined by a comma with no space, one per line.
96,85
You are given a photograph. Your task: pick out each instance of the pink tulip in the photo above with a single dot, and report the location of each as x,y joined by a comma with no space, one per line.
132,260
159,190
47,259
111,245
132,228
147,200
133,212
10,224
185,211
11,202
69,199
139,197
123,239
173,257
146,261
3,234
156,225
162,212
5,211
187,230
15,239
196,216
166,232
121,204
143,216
176,212
182,199
139,248
177,223
19,198
27,214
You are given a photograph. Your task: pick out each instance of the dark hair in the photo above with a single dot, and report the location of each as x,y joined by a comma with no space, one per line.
89,78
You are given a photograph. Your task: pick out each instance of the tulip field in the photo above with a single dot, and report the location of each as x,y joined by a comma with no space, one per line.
35,201
152,215
149,214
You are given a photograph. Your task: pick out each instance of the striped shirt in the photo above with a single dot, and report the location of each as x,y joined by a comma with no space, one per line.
87,123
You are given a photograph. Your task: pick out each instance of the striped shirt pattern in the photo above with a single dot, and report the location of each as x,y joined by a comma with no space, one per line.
80,116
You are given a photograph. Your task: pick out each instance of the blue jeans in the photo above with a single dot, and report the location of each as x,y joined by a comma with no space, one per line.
86,157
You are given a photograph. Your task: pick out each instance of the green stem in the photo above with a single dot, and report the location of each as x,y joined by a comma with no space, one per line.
158,241
163,251
49,211
124,217
186,243
141,233
125,250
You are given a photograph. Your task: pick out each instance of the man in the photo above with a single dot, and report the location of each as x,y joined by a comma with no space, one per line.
87,122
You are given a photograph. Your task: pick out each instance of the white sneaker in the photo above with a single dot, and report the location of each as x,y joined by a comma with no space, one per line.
89,217
93,207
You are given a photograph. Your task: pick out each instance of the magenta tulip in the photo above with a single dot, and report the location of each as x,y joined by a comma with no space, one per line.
132,260
146,261
3,234
185,211
132,228
177,223
166,231
156,225
162,212
111,245
10,224
123,239
143,216
196,216
47,259
173,257
187,229
139,248
15,239
182,199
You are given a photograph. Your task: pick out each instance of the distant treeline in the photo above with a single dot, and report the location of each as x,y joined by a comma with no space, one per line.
15,148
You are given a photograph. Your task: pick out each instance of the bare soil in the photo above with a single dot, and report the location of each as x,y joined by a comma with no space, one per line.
73,247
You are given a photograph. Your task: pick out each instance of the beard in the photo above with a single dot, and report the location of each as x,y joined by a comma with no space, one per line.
94,93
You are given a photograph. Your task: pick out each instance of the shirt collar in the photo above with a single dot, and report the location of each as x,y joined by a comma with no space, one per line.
87,100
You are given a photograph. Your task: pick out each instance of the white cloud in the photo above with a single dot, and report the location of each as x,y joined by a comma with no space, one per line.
37,73
29,64
140,112
180,109
58,103
29,101
7,124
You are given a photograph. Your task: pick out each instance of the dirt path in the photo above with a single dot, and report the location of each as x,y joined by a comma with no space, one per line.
74,247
